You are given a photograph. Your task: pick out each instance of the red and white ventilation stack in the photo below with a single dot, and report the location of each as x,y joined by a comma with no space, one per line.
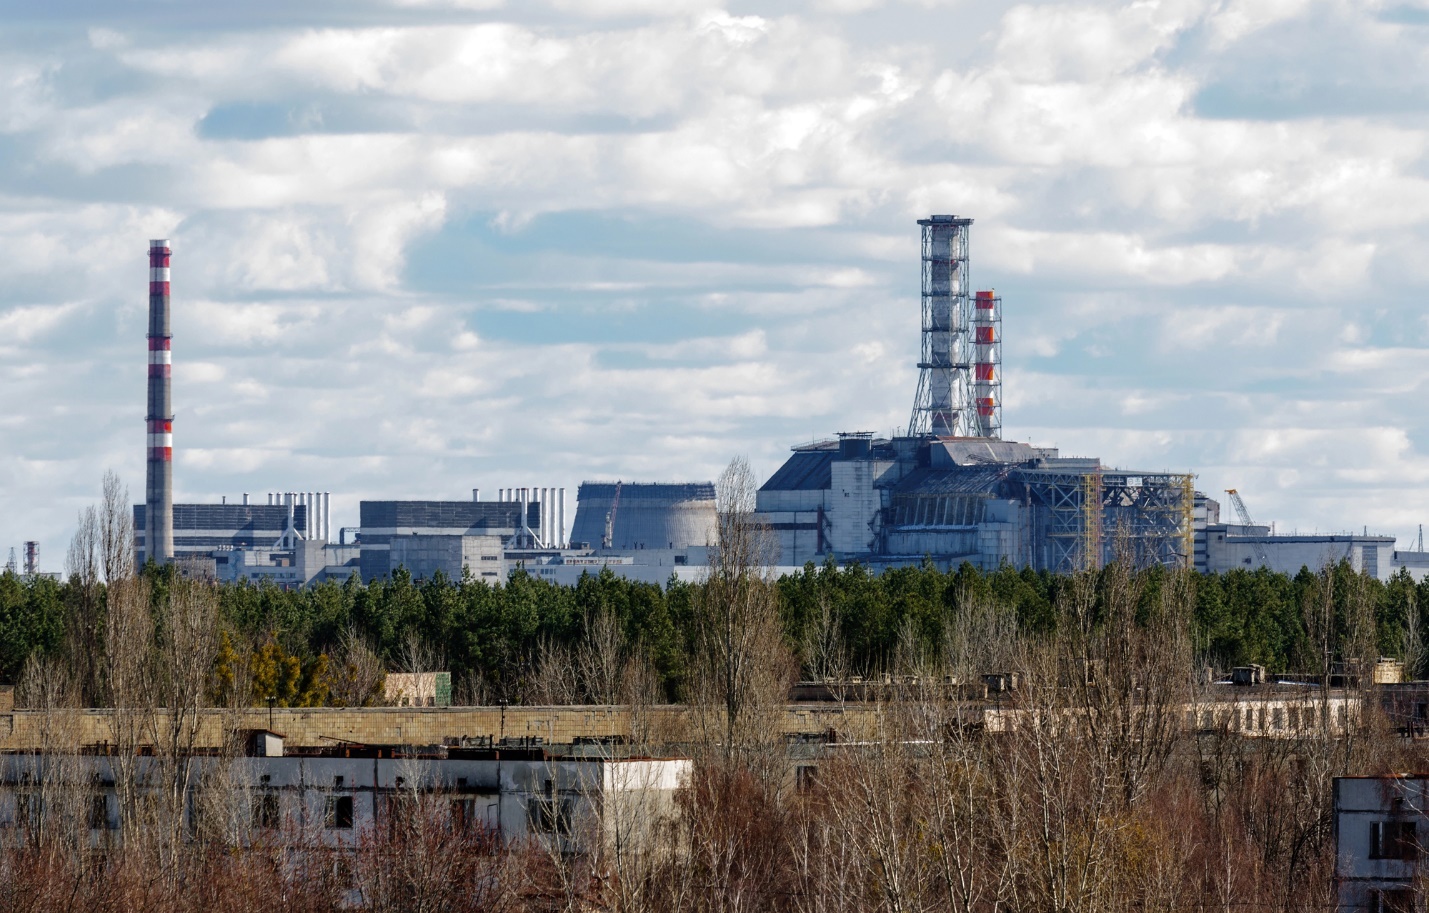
987,363
159,479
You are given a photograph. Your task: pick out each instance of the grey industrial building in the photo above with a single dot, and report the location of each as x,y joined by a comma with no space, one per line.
1230,547
980,500
200,529
429,536
636,516
245,542
644,530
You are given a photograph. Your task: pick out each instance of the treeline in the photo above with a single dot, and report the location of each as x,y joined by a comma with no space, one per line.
1082,791
330,643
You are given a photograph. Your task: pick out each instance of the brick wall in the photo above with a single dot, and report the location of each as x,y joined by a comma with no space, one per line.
320,727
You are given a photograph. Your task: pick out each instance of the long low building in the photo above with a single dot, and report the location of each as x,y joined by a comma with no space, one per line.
1230,548
574,804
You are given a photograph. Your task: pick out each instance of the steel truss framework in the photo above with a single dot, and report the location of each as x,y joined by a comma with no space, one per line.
1082,520
943,405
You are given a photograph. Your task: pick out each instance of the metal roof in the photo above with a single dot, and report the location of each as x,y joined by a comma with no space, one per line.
659,491
806,470
975,451
979,480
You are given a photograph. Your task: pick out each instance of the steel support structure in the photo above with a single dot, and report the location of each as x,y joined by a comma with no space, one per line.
943,405
1149,518
1092,546
1084,519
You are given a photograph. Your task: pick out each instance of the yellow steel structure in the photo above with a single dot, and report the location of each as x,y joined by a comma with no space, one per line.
1188,519
1092,521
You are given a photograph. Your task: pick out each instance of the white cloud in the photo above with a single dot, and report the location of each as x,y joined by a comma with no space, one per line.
467,241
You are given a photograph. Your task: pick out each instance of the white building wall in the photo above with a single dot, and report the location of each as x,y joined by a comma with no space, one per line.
853,506
1363,805
1288,554
1416,562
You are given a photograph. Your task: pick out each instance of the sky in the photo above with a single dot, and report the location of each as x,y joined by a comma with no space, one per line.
424,246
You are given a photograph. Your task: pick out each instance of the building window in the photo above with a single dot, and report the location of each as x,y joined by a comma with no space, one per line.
265,811
98,812
549,813
1393,900
1393,840
337,815
27,805
806,777
463,812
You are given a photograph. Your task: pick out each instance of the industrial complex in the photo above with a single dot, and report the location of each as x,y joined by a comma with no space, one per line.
949,490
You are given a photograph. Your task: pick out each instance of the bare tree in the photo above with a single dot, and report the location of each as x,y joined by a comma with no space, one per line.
825,653
600,657
554,680
417,656
127,683
741,669
116,529
358,673
641,691
84,636
1132,675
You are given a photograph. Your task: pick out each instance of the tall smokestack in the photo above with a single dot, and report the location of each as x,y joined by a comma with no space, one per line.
159,480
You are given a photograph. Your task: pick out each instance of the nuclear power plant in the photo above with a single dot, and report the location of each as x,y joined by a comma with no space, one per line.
951,490
948,489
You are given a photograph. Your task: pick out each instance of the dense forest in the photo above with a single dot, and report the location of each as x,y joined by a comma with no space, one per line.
493,638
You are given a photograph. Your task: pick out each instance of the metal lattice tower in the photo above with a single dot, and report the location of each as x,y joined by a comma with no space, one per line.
959,384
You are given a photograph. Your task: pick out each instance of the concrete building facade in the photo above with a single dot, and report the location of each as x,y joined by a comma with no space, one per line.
1381,825
1227,548
572,804
444,525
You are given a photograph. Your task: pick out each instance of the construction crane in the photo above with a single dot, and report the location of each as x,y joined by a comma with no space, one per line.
1246,523
609,537
1239,506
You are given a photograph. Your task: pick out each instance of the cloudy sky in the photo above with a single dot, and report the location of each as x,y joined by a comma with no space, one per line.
428,245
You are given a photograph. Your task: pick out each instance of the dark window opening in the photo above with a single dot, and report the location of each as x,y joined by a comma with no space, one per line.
1394,900
98,813
1394,840
265,811
338,813
550,814
806,777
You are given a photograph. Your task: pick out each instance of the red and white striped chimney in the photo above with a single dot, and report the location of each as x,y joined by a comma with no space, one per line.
159,480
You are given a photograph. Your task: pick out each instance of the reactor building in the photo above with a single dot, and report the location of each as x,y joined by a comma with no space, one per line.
950,489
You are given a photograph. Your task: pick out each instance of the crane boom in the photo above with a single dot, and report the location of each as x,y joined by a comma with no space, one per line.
610,518
1261,554
1239,506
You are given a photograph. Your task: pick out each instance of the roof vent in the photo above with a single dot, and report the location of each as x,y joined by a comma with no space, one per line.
854,445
